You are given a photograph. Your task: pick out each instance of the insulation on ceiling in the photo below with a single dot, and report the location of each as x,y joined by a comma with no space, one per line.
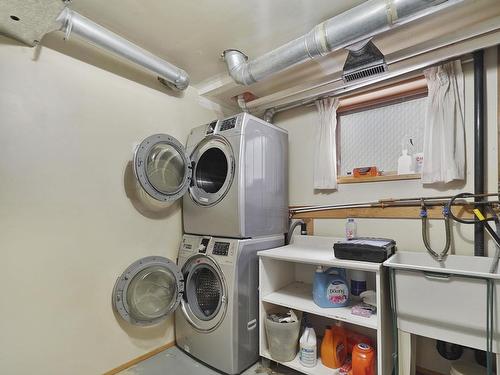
29,20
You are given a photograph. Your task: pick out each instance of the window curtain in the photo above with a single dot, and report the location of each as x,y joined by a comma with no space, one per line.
444,135
325,151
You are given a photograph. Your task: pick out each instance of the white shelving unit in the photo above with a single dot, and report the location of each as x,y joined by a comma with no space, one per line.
285,279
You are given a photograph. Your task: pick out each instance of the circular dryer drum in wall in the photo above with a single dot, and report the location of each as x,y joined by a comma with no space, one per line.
148,291
213,173
204,303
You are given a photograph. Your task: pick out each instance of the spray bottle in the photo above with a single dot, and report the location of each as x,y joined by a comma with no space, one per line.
405,161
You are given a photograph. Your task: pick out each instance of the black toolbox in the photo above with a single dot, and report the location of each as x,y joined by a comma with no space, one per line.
366,249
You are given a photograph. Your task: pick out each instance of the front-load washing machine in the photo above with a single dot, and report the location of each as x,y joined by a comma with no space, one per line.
233,175
213,289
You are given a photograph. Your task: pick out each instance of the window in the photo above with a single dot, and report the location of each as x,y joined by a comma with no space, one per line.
371,133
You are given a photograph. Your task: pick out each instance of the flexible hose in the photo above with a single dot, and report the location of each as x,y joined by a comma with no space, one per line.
493,217
494,265
465,221
294,225
446,212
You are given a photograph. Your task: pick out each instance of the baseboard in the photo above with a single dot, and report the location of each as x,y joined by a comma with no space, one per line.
424,371
141,358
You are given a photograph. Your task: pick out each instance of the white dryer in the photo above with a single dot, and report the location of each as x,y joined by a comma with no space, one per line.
213,289
233,175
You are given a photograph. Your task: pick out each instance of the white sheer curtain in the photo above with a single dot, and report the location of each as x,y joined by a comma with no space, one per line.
325,151
444,136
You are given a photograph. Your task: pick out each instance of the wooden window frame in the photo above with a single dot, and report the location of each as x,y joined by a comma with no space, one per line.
409,89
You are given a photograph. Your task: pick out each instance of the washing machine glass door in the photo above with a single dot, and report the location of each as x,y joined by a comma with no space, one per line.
162,167
148,291
204,303
213,173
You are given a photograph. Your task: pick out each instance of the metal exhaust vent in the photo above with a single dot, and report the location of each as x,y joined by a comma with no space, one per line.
364,60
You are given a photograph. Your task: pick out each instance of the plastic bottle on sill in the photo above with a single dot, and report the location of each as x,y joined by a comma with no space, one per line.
350,229
405,161
308,347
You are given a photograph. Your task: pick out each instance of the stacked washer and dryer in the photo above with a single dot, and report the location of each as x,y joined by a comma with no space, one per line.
232,176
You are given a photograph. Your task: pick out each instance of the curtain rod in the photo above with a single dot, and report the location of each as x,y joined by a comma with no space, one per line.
345,90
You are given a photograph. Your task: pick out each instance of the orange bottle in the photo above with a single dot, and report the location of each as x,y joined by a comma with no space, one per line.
363,360
339,345
326,350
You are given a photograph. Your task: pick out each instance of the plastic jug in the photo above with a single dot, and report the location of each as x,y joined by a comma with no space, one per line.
308,349
326,350
339,339
330,288
363,360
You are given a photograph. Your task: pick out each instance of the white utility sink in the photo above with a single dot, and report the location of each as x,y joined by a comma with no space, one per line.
445,300
453,264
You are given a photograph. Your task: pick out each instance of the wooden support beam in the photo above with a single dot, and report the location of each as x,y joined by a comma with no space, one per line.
434,212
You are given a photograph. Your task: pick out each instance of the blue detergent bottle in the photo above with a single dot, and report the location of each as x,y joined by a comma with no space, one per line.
330,288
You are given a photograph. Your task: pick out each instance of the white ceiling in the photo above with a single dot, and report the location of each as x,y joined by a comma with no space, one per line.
192,34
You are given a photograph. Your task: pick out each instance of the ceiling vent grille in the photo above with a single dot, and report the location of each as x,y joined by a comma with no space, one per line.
365,73
363,61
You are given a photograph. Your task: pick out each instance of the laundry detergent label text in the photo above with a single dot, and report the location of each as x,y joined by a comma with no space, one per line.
337,292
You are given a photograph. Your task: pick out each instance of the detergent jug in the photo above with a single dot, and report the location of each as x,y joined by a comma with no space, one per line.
330,288
363,360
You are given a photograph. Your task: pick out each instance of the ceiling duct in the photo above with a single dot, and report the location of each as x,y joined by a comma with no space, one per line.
29,20
359,23
364,60
73,23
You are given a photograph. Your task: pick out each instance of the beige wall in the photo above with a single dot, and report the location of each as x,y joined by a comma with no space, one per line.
72,217
300,124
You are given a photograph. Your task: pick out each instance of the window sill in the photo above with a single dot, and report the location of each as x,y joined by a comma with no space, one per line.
386,177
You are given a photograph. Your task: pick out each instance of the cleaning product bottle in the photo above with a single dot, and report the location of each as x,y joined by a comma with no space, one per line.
339,341
350,229
308,349
363,360
326,349
405,161
358,282
330,288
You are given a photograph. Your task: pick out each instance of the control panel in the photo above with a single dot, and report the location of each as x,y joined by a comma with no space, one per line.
227,124
221,248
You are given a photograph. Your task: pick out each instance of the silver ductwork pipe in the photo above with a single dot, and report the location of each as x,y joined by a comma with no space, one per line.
74,23
357,24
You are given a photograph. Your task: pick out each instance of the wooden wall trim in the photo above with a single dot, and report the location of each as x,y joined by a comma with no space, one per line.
141,358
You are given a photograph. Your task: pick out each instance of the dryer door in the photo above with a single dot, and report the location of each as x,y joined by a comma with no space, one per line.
205,299
162,167
148,291
214,168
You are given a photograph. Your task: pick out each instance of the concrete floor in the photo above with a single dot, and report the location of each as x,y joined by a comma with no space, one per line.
173,361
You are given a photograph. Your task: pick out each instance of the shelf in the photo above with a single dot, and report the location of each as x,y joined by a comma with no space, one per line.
298,296
295,364
316,250
385,177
